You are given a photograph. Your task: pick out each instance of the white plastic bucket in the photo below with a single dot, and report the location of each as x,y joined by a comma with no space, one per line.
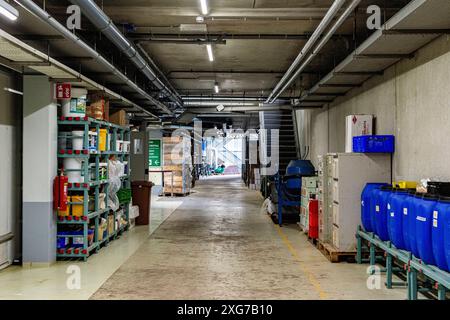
77,140
74,164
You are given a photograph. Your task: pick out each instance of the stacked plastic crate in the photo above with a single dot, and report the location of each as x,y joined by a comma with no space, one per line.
177,160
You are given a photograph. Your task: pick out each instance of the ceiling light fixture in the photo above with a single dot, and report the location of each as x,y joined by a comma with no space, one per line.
200,19
8,10
210,52
216,87
204,5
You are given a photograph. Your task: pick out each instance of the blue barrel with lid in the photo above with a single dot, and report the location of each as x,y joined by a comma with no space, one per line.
396,203
440,218
412,216
366,198
447,238
406,208
424,222
380,212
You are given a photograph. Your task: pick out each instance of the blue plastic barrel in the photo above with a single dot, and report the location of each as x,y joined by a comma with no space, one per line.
406,208
380,212
447,238
424,222
440,215
396,204
412,216
366,197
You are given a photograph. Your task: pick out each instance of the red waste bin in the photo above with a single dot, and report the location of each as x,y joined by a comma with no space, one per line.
313,232
142,192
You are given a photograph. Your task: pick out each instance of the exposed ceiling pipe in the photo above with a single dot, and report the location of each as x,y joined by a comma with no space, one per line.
321,44
332,12
155,66
46,17
109,29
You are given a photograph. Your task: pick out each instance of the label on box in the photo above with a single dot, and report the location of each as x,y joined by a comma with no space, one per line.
435,223
377,208
435,215
405,211
389,206
78,240
392,214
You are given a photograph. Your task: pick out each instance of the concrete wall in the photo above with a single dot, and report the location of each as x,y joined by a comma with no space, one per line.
10,167
412,101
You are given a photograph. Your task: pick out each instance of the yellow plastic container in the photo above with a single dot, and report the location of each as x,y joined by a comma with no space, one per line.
102,139
77,209
66,212
406,184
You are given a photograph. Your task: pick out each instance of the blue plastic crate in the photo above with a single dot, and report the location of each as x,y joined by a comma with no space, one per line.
374,144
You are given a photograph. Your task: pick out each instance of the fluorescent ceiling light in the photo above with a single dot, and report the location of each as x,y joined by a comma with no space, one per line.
200,19
216,87
8,10
210,52
204,6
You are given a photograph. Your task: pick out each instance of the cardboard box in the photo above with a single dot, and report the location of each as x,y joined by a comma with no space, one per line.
99,106
119,118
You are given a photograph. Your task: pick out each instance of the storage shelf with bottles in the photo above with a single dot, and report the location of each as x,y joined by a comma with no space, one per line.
85,146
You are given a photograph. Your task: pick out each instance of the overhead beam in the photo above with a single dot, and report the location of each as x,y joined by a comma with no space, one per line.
340,85
211,36
334,94
384,56
358,73
416,31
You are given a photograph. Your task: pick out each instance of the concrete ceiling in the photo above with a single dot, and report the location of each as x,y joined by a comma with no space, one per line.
260,40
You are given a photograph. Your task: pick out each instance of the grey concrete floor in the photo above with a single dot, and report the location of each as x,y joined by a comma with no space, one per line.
218,245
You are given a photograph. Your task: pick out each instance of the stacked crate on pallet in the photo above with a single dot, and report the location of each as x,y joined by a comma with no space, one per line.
178,160
309,191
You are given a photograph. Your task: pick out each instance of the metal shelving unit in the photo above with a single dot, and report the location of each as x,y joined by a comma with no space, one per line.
91,189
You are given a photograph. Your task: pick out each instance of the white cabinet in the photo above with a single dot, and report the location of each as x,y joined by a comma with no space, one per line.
349,174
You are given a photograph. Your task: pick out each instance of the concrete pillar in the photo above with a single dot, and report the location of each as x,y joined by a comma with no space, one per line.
39,169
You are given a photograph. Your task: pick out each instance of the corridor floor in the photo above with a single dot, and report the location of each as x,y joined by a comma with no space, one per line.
218,245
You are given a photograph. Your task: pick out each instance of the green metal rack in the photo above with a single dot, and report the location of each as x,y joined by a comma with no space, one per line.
92,187
413,267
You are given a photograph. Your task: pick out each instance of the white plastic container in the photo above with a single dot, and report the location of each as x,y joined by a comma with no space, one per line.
357,125
77,140
119,146
126,146
93,140
74,164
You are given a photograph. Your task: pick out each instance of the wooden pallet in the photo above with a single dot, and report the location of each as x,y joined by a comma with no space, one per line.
314,242
177,194
334,255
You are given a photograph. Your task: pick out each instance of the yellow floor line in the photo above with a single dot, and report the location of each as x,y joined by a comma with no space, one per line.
312,279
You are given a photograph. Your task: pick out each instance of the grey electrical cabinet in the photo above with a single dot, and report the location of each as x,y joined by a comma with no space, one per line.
347,175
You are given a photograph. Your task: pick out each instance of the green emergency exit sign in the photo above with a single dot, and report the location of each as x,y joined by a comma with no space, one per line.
154,153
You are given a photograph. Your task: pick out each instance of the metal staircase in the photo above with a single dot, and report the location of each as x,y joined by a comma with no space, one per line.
288,140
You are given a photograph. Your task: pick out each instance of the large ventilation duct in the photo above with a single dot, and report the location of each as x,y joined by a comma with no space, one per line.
102,22
321,44
332,12
46,17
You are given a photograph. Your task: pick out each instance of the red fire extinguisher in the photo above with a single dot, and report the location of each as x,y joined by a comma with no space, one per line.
60,192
